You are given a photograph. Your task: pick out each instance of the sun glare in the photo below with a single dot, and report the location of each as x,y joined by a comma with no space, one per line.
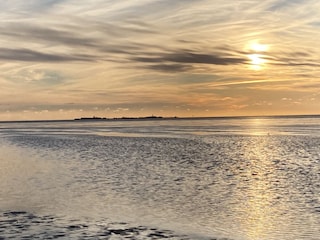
257,47
257,60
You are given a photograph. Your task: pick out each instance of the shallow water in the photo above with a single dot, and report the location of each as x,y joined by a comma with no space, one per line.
228,178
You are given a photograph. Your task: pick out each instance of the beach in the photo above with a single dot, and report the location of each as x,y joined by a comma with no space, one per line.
213,178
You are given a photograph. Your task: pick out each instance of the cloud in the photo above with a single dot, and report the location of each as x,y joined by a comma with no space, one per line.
36,77
169,67
27,55
200,58
46,35
151,54
135,35
31,5
185,60
295,59
285,4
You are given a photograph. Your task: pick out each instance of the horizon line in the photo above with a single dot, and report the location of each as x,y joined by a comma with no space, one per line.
160,118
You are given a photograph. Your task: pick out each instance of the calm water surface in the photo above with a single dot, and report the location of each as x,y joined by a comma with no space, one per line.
224,178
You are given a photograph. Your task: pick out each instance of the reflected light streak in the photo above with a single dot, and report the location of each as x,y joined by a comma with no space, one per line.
258,220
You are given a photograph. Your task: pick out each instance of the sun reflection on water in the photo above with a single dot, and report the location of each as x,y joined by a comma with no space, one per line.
258,211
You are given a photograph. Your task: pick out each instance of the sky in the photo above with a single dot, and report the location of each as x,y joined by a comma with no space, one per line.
63,59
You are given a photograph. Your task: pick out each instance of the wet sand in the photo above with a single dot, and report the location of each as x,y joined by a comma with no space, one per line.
24,225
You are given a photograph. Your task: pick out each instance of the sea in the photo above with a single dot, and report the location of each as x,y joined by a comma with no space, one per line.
234,178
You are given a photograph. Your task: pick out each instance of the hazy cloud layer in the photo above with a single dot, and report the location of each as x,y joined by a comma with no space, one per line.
119,53
27,55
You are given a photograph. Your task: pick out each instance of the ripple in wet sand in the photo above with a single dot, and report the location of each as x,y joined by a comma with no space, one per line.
24,225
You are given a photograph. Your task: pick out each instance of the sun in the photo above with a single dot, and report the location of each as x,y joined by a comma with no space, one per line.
256,59
258,47
256,55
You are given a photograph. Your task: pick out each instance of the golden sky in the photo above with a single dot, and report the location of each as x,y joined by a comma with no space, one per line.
61,59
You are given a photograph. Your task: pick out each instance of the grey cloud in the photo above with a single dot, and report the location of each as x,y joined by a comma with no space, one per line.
300,54
170,67
301,64
182,61
296,62
282,4
156,9
48,3
148,59
108,41
40,34
34,56
294,58
216,59
97,38
76,32
31,5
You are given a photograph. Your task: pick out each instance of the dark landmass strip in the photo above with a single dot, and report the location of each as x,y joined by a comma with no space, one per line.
94,118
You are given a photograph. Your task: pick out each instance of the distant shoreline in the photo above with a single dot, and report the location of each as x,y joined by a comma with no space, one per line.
190,118
155,118
94,118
